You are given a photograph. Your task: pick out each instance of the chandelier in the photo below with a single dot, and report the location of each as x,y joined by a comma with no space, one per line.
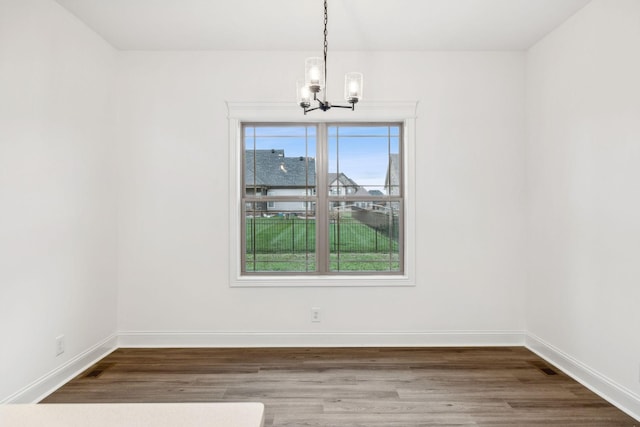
314,84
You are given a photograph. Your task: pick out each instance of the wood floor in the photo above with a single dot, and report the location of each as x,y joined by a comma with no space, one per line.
364,387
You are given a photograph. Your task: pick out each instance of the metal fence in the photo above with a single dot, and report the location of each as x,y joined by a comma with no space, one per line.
297,235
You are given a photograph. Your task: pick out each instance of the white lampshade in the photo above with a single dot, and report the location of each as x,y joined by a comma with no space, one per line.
314,74
353,87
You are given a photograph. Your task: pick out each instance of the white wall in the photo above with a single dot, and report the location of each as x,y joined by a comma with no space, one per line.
57,201
583,105
173,217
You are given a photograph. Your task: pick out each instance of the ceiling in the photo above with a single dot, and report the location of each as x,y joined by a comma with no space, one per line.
297,24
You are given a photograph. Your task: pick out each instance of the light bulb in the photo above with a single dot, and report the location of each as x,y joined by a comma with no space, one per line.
314,75
305,93
353,88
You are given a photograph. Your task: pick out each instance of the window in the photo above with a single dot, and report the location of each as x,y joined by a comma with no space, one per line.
274,114
322,199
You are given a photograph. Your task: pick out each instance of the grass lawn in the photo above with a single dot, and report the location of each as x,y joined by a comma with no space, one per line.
288,244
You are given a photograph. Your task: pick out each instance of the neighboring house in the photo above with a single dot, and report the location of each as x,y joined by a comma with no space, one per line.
392,180
341,185
270,173
378,204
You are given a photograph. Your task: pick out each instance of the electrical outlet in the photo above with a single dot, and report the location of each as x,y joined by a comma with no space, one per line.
59,345
315,314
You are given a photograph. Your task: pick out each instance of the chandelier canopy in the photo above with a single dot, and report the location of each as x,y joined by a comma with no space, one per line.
314,84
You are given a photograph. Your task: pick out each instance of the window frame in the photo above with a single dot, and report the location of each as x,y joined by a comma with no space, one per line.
372,113
323,256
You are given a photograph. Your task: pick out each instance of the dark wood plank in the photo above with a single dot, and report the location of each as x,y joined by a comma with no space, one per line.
352,387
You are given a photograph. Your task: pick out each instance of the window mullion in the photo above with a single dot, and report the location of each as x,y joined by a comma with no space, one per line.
322,210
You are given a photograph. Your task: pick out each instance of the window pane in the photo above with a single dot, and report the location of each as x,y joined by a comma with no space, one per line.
279,160
278,240
363,160
364,239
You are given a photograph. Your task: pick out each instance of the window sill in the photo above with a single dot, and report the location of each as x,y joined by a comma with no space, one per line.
321,281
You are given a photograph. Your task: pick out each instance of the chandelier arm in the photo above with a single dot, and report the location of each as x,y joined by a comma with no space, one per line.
324,105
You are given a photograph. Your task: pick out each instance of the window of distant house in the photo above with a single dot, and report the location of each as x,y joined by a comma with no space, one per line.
322,199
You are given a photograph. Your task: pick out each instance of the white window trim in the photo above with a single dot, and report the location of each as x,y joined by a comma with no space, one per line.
239,112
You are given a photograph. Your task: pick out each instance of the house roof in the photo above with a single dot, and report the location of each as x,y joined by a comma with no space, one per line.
341,178
270,168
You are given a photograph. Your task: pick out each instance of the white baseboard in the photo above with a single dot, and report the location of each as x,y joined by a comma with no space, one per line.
45,385
321,339
609,390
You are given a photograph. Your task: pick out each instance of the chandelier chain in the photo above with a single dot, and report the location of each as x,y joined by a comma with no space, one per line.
326,45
